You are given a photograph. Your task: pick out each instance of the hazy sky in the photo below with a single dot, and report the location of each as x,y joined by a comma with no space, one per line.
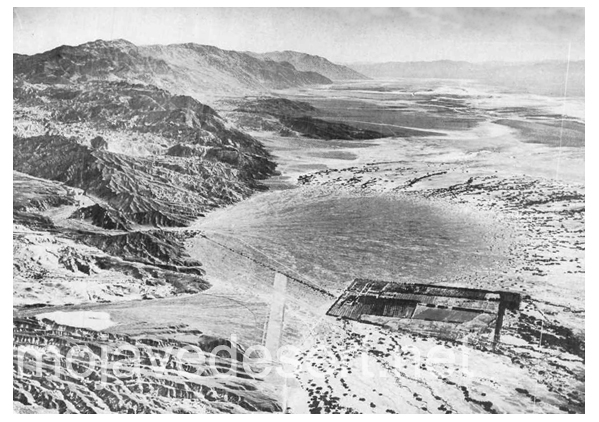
341,35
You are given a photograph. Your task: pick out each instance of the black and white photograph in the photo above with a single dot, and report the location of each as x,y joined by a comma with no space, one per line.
298,210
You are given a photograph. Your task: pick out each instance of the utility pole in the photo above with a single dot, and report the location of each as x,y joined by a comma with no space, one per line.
499,323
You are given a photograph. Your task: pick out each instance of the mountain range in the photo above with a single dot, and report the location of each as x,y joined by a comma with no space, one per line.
545,78
191,69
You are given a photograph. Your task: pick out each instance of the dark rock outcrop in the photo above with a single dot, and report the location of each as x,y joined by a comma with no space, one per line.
128,184
322,129
102,217
276,107
34,194
297,116
99,143
155,247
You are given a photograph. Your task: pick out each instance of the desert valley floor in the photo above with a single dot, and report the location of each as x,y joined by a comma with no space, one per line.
470,186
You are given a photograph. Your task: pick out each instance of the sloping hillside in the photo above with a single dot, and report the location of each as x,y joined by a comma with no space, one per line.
309,62
156,188
203,68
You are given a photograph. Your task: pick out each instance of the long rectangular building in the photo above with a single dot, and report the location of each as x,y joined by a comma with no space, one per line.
444,311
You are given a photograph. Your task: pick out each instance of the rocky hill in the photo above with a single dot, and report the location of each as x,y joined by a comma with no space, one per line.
157,187
309,62
101,157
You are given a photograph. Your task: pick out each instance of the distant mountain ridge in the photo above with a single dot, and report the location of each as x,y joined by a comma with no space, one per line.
547,77
188,69
309,62
232,72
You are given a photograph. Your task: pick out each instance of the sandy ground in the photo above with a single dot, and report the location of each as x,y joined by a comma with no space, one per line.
532,214
535,195
91,320
527,204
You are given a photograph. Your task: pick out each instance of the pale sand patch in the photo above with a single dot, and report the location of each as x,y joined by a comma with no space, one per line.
81,319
